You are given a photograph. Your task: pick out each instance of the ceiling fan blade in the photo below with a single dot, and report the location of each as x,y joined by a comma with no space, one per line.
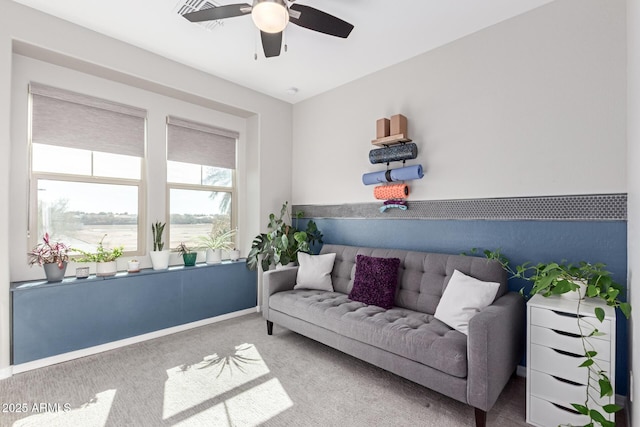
271,43
219,12
320,21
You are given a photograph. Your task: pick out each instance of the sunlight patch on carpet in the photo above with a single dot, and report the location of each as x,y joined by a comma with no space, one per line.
93,413
249,408
217,378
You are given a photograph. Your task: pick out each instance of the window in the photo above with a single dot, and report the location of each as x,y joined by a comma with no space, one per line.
86,169
201,180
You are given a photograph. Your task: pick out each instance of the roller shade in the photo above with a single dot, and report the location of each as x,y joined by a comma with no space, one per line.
200,144
68,119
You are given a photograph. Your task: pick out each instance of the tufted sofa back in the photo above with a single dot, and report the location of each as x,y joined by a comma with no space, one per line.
422,276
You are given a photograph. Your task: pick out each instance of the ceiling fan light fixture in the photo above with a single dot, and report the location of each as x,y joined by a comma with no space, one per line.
270,16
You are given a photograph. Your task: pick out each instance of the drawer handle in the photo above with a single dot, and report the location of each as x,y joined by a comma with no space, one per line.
563,380
562,313
566,353
562,408
567,334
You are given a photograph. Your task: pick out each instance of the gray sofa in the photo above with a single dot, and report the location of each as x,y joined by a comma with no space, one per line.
406,339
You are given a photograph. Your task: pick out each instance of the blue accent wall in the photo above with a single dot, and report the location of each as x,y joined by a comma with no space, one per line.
520,241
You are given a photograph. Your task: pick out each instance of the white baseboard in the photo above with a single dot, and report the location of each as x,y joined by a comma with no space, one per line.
521,371
65,357
6,373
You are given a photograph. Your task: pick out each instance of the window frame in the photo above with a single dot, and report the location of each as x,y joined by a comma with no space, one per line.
34,176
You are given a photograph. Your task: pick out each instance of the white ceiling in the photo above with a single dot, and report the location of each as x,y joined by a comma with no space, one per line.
386,32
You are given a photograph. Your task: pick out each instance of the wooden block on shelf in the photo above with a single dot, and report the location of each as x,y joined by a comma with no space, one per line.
391,140
398,125
383,128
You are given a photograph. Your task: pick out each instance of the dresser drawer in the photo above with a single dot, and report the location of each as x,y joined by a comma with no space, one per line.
568,323
545,414
572,343
559,391
552,362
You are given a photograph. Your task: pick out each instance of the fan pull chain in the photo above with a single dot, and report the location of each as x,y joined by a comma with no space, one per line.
284,37
255,47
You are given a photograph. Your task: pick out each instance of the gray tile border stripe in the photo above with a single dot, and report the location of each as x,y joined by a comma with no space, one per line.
591,207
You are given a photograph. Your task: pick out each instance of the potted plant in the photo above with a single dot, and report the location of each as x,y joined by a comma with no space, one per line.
52,256
576,281
234,254
133,266
215,242
281,244
159,256
188,256
105,259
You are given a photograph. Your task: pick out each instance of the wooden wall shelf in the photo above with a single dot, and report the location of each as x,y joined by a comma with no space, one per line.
391,140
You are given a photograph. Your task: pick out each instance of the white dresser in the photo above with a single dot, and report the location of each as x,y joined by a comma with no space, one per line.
554,351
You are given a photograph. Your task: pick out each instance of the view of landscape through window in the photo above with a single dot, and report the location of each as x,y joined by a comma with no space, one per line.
196,207
81,213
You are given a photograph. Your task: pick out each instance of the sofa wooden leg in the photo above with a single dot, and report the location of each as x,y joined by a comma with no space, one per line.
269,327
481,418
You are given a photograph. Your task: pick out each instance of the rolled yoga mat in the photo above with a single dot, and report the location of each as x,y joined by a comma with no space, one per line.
394,153
391,175
391,191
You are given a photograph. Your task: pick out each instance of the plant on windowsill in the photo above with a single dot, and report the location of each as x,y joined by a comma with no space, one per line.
159,256
188,256
283,241
234,254
52,256
215,242
105,259
577,281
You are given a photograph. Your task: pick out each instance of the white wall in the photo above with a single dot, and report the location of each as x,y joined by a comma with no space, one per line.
268,121
633,159
534,105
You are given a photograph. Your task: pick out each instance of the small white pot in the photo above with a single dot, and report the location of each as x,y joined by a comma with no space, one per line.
106,268
214,256
82,272
234,255
133,266
579,294
160,259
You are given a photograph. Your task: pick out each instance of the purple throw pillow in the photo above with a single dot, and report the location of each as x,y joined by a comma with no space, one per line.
376,280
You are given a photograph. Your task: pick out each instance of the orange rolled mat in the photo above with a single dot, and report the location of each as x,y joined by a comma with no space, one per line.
393,191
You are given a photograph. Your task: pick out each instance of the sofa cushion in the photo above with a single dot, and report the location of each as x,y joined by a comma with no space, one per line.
314,271
416,336
463,298
375,281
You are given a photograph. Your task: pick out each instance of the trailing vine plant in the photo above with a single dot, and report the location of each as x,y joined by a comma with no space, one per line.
559,278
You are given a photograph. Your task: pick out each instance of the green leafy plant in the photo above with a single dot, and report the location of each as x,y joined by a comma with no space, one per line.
559,278
283,241
218,239
157,229
101,254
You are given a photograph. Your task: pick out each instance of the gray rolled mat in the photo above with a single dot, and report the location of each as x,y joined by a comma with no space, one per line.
394,153
400,174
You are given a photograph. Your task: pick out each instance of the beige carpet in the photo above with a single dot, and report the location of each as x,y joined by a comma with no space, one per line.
233,374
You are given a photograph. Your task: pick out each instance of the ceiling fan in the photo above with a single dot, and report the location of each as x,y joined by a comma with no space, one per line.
272,16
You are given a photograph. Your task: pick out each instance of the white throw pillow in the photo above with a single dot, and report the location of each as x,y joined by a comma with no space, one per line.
463,298
315,271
